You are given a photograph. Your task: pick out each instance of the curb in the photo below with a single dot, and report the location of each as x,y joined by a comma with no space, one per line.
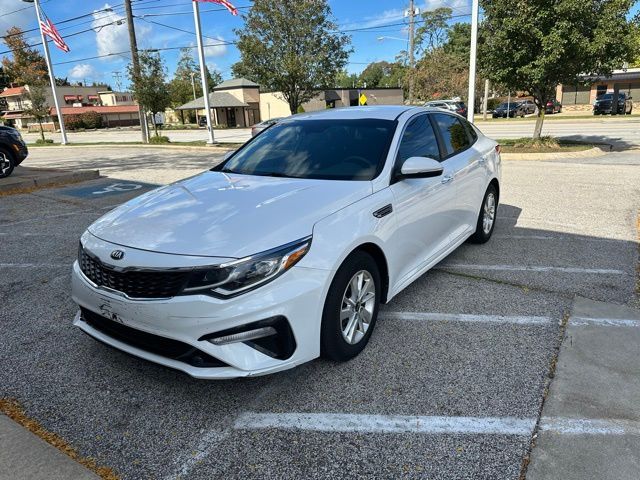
592,152
212,148
54,178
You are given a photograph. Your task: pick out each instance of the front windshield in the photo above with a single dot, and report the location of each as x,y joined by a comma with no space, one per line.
606,96
507,105
337,149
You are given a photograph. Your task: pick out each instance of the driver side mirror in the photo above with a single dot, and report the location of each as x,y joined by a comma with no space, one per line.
420,167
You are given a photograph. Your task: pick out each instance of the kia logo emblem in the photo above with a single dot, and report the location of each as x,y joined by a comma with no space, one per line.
117,254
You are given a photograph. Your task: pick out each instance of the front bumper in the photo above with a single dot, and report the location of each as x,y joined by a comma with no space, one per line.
298,296
20,151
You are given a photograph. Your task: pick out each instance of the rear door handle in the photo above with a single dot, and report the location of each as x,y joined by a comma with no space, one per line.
447,178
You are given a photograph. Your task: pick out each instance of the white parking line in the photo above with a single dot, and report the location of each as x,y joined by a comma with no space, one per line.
604,322
582,426
47,217
531,268
341,422
555,237
454,317
34,265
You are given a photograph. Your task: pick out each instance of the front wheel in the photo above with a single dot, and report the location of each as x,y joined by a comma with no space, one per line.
351,308
487,217
6,163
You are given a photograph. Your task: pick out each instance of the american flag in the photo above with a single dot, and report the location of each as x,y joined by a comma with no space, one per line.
50,30
224,3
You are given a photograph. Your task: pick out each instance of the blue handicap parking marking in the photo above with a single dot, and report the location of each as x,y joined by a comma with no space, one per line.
106,189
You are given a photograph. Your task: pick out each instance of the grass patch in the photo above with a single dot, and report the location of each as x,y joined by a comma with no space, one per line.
159,140
12,409
542,145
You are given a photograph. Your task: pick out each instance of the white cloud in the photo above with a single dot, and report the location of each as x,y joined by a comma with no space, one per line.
22,18
215,50
84,71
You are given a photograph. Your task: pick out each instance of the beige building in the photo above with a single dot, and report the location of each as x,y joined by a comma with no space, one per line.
239,102
72,100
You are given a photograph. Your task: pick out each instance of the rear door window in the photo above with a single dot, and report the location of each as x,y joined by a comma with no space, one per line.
454,135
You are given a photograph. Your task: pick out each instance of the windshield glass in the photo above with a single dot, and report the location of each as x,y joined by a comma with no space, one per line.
606,96
504,105
335,149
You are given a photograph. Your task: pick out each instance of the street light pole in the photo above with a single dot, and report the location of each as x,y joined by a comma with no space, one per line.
203,72
52,77
471,100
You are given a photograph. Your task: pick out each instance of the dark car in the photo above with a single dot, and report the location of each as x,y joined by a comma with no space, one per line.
258,127
510,109
604,105
13,150
553,106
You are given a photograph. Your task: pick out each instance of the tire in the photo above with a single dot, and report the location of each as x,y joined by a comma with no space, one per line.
7,163
482,234
334,342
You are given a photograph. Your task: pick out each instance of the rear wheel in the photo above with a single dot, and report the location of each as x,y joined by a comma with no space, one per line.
351,308
487,216
6,163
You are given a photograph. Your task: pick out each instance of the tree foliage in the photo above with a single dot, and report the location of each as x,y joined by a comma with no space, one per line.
534,45
39,108
26,65
150,88
291,46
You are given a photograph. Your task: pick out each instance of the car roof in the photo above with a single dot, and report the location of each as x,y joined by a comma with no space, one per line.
382,112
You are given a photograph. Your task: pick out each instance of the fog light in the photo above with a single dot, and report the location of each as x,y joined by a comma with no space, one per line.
244,336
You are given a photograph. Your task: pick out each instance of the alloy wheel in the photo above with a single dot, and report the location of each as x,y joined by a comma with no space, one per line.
489,213
358,304
5,164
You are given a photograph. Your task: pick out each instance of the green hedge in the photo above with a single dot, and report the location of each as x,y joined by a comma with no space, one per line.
89,119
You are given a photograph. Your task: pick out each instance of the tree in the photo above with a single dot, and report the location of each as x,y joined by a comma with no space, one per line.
292,46
550,42
434,29
345,80
150,89
26,65
39,108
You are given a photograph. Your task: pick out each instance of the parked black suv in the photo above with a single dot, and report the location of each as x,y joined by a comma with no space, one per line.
603,104
13,150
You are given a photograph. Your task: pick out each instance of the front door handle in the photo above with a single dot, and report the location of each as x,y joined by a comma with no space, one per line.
447,178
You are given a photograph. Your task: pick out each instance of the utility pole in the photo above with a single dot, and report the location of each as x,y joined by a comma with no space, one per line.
193,86
203,72
472,61
486,99
52,77
135,61
117,76
412,38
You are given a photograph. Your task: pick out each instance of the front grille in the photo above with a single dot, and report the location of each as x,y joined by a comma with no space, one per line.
149,342
134,283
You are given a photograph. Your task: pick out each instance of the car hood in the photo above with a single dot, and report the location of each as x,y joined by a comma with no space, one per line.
226,215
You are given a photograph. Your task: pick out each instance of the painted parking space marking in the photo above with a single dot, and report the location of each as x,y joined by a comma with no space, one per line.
453,317
34,265
531,268
584,426
103,190
604,322
362,423
555,237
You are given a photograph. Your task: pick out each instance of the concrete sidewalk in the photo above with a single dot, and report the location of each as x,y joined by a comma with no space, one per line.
590,424
28,178
23,455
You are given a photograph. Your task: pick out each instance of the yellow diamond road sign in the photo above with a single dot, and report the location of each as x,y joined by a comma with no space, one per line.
363,99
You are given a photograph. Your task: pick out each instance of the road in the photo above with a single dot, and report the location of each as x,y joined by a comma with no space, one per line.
621,132
450,386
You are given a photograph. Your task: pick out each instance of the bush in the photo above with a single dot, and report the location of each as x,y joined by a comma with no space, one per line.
89,119
492,103
159,140
46,141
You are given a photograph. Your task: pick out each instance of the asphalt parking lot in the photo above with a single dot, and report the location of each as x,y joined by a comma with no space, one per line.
450,386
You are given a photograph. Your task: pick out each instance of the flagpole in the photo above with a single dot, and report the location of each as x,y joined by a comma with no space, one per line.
203,71
52,77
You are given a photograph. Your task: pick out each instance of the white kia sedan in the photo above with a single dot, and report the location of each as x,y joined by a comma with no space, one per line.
285,251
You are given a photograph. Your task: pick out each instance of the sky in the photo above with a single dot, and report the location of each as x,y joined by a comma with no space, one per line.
106,32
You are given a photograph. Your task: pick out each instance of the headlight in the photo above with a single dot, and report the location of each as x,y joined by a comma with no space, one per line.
239,276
